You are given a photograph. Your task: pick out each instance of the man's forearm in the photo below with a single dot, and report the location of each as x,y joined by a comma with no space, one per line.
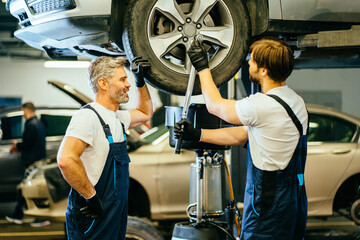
225,136
215,103
209,90
76,176
143,111
144,101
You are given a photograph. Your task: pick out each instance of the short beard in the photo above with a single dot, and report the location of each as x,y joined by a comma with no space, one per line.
254,79
123,99
119,97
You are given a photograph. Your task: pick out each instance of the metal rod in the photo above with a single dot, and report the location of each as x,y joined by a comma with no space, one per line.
185,110
198,190
189,90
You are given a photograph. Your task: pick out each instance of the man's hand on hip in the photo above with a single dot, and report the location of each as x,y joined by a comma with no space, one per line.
94,207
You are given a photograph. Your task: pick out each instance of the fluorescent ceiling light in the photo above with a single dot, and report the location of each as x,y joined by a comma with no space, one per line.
66,64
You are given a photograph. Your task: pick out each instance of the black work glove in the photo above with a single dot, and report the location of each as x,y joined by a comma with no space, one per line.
189,133
137,67
94,207
198,56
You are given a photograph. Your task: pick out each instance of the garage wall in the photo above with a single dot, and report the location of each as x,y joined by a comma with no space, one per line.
28,79
347,81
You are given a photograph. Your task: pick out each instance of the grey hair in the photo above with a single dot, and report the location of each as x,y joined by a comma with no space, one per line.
103,67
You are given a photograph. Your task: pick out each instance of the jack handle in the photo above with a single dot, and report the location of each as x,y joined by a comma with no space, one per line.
188,94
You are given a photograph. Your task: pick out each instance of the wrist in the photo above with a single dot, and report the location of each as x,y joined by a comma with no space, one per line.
201,132
197,134
203,70
91,196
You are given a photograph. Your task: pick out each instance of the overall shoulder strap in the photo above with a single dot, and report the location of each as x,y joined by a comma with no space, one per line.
104,125
290,112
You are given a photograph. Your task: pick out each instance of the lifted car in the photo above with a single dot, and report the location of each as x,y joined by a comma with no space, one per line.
161,31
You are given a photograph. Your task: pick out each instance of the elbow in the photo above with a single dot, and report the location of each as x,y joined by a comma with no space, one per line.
62,163
211,109
150,115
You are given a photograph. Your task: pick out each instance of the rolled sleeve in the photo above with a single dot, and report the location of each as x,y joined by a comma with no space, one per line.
246,111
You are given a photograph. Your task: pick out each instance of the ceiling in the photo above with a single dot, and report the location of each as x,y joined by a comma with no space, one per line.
10,46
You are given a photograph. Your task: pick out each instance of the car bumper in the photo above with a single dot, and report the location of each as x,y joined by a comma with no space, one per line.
39,201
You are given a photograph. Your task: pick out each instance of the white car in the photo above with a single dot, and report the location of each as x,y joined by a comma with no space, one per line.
160,179
161,31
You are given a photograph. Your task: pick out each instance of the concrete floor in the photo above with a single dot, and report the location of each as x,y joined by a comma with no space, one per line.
336,227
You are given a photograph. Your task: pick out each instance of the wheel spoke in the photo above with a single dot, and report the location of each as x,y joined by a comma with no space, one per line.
222,36
202,8
162,44
171,10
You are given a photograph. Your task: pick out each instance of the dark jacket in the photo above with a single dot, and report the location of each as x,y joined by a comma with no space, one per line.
33,146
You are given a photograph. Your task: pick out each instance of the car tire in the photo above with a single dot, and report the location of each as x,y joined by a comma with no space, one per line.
355,211
155,31
138,229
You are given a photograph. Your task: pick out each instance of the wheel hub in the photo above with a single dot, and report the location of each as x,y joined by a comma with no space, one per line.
190,30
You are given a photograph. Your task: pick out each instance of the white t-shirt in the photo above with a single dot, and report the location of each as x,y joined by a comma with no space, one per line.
85,125
272,134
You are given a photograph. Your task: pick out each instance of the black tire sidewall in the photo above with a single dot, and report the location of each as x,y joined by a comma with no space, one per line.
136,43
140,228
353,208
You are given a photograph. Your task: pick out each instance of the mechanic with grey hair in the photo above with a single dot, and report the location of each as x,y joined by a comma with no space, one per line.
275,126
93,155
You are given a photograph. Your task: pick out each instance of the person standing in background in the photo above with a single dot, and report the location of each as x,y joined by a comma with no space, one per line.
32,148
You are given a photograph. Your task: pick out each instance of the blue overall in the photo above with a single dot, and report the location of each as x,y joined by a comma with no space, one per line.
112,189
275,202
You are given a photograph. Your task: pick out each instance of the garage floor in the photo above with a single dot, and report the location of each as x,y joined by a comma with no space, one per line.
336,227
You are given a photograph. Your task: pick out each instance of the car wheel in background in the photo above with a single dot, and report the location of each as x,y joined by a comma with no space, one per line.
162,30
138,229
355,211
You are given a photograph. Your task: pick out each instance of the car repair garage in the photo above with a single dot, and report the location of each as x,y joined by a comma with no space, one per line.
179,119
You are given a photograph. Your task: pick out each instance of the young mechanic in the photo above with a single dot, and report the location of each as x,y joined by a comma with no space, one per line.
275,124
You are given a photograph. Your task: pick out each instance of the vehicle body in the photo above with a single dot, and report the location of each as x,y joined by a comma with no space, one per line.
159,179
161,30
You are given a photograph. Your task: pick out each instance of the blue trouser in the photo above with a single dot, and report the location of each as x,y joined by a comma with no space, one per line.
112,189
275,202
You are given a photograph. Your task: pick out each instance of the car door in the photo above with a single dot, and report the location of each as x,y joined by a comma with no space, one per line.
173,180
330,151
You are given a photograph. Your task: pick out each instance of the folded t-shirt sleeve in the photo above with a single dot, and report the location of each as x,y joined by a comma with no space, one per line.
80,126
246,111
125,118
